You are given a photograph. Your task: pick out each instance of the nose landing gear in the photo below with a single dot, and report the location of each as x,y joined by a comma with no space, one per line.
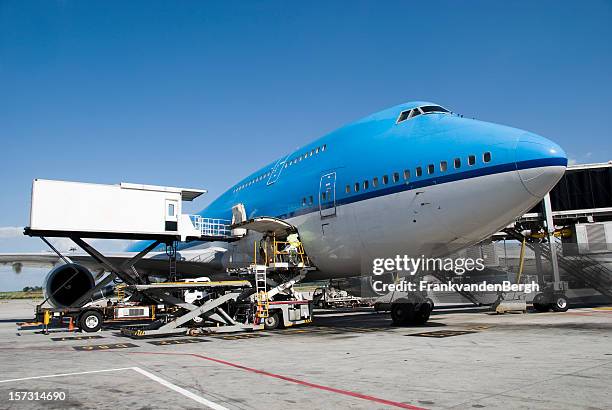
557,301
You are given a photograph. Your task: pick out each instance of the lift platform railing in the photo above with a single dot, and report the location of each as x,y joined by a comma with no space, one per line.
212,227
285,251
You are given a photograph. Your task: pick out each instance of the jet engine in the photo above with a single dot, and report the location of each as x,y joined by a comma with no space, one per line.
65,284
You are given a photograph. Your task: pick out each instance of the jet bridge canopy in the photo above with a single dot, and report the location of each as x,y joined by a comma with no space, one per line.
267,224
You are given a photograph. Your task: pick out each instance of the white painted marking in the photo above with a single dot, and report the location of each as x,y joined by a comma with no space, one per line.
151,376
180,390
65,374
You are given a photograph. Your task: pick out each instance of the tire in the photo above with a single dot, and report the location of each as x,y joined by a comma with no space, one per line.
541,307
421,316
431,304
402,313
90,321
272,321
560,303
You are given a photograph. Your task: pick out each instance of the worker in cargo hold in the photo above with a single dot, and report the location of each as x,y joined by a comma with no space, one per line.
292,248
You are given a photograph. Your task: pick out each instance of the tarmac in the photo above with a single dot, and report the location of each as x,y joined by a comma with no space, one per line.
463,358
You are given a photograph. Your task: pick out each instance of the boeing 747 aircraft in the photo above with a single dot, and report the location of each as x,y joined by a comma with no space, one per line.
414,179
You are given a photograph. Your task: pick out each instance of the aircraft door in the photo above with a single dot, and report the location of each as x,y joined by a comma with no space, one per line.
327,195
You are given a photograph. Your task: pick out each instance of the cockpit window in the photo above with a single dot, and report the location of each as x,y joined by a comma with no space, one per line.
426,109
403,116
433,108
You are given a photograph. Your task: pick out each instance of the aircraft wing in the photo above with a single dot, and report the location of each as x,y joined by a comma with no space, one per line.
189,263
31,260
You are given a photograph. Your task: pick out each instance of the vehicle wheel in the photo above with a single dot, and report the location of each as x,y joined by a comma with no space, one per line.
272,322
431,304
90,321
541,307
560,304
402,313
421,316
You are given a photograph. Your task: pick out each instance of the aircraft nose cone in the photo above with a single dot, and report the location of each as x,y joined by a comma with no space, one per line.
540,163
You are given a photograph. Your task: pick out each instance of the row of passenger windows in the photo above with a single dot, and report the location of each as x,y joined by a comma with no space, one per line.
295,160
253,181
418,172
312,152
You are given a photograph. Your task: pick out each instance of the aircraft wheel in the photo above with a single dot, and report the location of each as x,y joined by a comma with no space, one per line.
541,307
421,316
272,322
560,303
402,313
90,321
431,304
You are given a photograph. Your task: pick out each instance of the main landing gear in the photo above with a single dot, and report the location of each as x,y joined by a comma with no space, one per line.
406,312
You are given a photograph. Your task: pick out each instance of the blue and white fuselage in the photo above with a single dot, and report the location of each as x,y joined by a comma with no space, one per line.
413,179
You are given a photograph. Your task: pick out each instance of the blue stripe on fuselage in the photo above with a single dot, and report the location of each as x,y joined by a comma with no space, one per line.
408,186
442,179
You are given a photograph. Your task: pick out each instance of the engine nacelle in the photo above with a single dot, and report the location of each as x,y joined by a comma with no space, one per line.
65,284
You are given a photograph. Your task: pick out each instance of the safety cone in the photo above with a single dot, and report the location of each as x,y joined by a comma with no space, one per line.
70,325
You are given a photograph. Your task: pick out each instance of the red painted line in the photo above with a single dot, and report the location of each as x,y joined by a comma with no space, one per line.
292,380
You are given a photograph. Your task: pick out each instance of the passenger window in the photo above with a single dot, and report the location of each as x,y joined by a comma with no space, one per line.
356,186
317,150
385,179
395,176
303,201
375,182
457,163
323,195
366,185
443,166
471,160
419,171
486,157
324,147
348,189
311,200
430,169
406,174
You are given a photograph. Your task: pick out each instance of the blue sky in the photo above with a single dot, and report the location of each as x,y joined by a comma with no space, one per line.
201,93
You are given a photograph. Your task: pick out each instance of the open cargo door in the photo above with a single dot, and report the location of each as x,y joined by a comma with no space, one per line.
267,224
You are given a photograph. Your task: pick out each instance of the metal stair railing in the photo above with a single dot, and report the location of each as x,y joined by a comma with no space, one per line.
582,267
444,277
